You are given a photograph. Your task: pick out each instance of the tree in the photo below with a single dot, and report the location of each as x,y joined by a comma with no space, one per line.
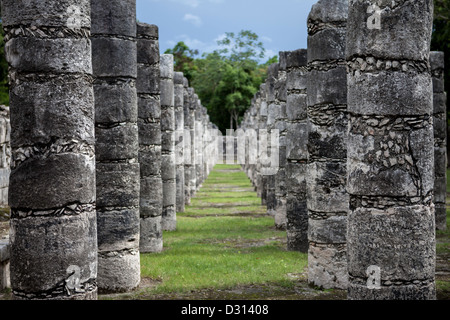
227,79
184,59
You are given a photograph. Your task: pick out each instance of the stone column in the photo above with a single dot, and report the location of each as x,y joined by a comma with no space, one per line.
5,154
193,176
391,222
280,125
179,139
149,124
114,57
168,171
198,145
262,125
327,199
187,142
296,151
440,138
53,234
273,111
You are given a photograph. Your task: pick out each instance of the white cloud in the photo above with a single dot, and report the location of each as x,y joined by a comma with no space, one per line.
266,39
270,54
195,20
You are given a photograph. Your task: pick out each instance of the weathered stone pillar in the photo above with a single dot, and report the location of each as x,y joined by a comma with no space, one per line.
198,145
205,144
53,232
391,222
114,56
187,142
5,154
273,111
280,125
193,176
297,151
440,138
5,275
168,170
179,139
262,125
149,123
327,199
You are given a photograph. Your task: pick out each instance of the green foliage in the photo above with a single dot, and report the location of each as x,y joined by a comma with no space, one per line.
227,79
184,59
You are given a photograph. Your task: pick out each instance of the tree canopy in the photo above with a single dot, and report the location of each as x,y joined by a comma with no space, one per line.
227,78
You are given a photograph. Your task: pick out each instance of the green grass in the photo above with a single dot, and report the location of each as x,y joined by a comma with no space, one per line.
219,245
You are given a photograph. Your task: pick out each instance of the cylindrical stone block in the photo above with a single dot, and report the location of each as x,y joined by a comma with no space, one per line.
391,223
273,111
179,139
327,200
114,58
296,151
187,144
53,234
281,126
150,150
168,157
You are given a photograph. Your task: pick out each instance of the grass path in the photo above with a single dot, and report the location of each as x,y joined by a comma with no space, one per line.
225,247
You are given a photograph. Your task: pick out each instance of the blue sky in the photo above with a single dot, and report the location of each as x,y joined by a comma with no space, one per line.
280,24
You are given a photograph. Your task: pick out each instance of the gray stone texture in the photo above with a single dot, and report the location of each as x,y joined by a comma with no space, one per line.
5,154
150,150
52,182
296,151
327,200
168,157
114,58
273,111
5,277
281,126
391,222
187,142
193,105
179,82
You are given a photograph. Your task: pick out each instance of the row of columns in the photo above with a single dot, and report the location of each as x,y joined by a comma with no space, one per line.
361,119
101,134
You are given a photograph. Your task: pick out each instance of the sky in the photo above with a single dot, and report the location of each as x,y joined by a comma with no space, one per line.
280,24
